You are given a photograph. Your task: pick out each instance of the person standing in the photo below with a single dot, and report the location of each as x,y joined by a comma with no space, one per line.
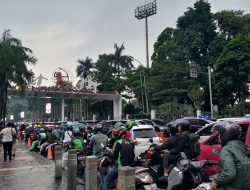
8,134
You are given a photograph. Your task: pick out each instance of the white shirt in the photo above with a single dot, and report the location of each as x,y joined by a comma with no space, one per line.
67,136
8,133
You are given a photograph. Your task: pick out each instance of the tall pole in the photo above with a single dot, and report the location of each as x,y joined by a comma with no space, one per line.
142,101
210,90
142,12
147,58
146,96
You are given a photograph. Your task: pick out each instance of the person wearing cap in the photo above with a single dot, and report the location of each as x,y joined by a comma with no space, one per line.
8,133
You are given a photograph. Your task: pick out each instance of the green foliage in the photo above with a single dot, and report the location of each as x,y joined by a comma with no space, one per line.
232,71
84,68
238,110
129,109
111,70
13,59
172,110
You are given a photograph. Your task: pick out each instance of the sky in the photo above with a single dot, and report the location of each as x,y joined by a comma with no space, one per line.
59,32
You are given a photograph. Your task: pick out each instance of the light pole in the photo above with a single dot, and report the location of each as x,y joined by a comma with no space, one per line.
193,73
144,12
210,91
145,88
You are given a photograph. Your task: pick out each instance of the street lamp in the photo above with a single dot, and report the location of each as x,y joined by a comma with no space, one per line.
145,88
144,12
193,73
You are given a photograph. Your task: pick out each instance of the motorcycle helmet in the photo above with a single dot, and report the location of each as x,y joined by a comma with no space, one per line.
69,128
10,124
98,128
122,132
42,130
228,131
118,124
119,132
49,129
130,123
77,133
182,125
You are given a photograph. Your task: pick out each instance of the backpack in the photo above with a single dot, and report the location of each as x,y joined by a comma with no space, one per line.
192,148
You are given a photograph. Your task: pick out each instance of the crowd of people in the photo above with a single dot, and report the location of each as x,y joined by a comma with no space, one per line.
234,162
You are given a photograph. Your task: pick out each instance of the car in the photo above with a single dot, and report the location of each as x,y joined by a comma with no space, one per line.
211,143
159,125
205,131
109,125
195,123
143,136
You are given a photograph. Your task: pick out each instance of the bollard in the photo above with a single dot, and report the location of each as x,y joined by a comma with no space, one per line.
58,161
126,178
91,173
72,162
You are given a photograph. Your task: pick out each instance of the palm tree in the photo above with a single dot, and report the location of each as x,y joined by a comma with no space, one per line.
121,64
84,68
14,72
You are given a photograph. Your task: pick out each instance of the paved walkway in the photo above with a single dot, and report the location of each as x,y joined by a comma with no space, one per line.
30,171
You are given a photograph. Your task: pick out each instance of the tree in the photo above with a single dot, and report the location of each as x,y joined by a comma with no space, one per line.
14,72
121,64
230,23
169,76
232,71
84,69
197,29
112,69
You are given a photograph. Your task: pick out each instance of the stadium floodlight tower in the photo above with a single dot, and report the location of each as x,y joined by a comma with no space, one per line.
144,12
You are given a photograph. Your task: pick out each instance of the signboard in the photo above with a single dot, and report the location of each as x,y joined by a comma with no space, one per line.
48,108
193,72
22,114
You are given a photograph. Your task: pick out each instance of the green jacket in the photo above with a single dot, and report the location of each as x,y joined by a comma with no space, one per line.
234,167
77,144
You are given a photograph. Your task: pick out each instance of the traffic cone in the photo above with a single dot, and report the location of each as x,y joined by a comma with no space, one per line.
29,142
19,138
117,187
49,154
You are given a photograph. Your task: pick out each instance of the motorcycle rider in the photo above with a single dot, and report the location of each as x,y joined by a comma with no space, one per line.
173,146
129,125
123,155
50,139
68,134
98,141
234,163
76,143
40,139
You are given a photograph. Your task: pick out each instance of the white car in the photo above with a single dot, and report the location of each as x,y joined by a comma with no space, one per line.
143,136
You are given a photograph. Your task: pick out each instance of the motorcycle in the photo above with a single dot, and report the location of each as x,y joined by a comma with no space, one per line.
184,174
143,180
